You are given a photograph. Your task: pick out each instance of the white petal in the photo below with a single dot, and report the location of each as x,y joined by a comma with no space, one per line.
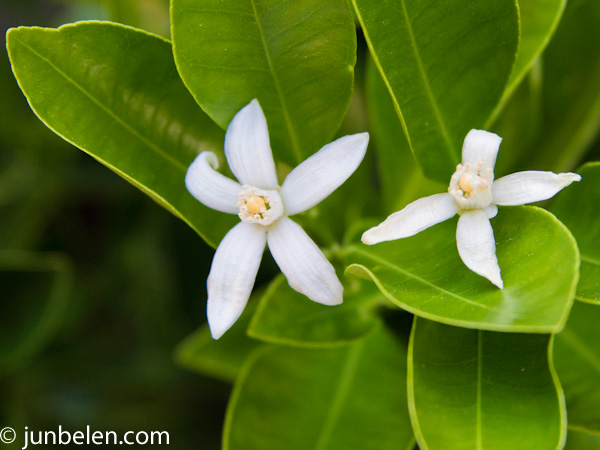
248,150
210,187
491,211
414,218
476,245
322,173
481,144
530,186
302,262
232,275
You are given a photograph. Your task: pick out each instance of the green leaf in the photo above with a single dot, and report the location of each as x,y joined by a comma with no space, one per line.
36,288
577,357
423,274
539,19
136,118
297,58
576,208
472,389
285,316
571,92
341,398
582,440
402,180
445,65
222,358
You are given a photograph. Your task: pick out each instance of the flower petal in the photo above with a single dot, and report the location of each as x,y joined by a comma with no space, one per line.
481,144
414,218
530,186
210,187
491,211
248,150
302,262
232,275
476,245
322,173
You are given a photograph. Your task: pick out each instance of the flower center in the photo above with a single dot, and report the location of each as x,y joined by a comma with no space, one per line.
259,206
471,185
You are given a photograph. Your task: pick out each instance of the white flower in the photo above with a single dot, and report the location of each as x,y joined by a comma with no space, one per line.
263,208
473,195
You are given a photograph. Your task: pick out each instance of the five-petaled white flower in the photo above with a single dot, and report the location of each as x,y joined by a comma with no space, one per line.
473,195
263,208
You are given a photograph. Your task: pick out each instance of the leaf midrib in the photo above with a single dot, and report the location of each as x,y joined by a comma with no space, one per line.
284,108
429,92
419,279
104,108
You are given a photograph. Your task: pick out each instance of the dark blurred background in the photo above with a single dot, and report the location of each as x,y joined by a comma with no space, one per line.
98,284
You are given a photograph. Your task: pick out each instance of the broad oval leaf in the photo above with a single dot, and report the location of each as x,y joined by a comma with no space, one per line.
473,389
402,180
423,274
577,208
577,358
114,92
445,64
351,397
297,58
285,316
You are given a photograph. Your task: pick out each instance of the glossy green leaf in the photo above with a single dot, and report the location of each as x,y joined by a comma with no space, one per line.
577,208
538,19
136,117
424,274
36,288
472,389
577,358
571,92
582,440
297,58
285,316
351,397
402,180
222,358
445,64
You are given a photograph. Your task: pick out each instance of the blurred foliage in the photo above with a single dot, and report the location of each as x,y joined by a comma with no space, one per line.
97,284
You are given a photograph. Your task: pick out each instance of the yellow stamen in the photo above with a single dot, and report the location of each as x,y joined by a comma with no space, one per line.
255,204
465,183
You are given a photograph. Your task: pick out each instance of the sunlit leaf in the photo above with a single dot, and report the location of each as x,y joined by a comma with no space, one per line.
297,58
351,397
136,117
285,316
472,389
424,274
402,180
445,65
